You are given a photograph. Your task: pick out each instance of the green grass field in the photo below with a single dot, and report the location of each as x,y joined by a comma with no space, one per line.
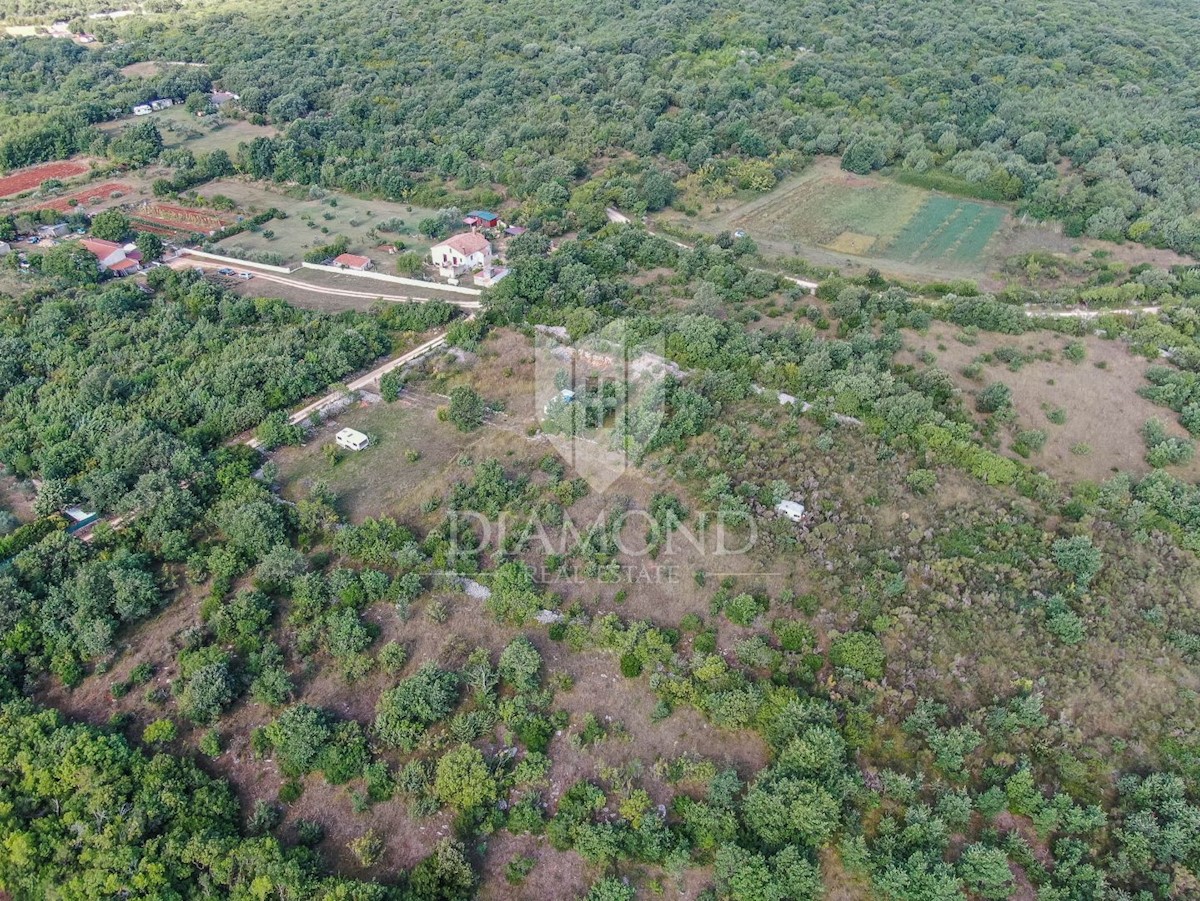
828,214
316,218
179,128
945,230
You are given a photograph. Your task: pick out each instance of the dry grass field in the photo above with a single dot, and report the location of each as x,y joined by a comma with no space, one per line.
1097,395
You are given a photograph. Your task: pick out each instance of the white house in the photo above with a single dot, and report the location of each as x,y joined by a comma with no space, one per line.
791,509
352,439
112,257
461,253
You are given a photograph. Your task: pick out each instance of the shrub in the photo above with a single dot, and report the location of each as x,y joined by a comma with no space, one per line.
993,398
795,637
406,711
743,609
367,848
392,657
921,481
463,780
159,732
210,743
518,868
631,666
467,409
858,651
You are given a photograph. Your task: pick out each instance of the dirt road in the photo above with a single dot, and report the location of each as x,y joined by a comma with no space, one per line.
276,278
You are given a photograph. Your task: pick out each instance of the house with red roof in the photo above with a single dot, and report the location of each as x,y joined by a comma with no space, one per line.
112,257
353,261
461,253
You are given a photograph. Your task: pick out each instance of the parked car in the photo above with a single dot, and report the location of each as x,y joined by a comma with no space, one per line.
33,239
225,270
245,276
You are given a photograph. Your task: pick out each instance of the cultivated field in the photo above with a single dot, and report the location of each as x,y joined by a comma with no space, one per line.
170,220
90,198
315,218
852,222
24,180
945,231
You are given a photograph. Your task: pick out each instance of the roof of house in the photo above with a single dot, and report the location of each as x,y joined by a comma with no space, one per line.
122,265
482,214
100,248
351,259
467,243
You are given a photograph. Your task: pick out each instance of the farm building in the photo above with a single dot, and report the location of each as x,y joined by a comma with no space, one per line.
515,231
113,257
57,230
353,261
352,439
220,98
481,219
791,509
461,253
161,103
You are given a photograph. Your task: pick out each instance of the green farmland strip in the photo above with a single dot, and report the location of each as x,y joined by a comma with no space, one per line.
943,242
929,218
974,242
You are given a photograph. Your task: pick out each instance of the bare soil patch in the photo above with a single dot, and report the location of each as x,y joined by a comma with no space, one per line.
1099,395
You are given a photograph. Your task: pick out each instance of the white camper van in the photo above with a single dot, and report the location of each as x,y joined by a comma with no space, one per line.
791,509
352,439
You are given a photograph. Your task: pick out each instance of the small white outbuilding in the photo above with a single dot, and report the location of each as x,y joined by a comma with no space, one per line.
791,509
352,439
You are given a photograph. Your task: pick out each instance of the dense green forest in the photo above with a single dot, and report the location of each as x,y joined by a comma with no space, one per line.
1082,113
924,792
976,678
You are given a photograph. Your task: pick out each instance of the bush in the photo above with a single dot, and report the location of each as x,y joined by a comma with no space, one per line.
858,651
631,666
406,711
467,409
367,848
518,868
993,398
207,693
795,637
159,732
921,481
743,609
463,780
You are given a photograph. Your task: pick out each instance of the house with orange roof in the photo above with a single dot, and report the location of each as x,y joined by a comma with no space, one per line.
112,257
461,253
352,261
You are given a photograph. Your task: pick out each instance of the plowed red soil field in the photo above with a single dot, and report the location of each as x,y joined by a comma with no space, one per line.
89,196
28,179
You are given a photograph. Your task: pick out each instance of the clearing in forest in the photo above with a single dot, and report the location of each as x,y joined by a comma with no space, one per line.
836,218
